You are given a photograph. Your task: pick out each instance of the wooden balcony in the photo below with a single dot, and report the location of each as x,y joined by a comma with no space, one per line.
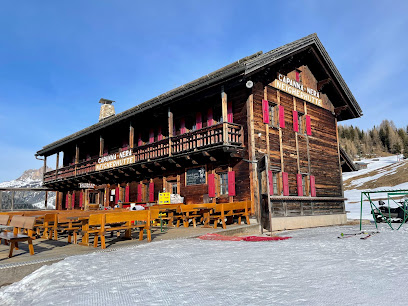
223,134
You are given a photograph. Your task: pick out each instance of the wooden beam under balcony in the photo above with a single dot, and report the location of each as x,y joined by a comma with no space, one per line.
187,157
159,165
212,158
174,162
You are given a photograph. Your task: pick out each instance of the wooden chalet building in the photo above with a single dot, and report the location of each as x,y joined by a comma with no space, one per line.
262,127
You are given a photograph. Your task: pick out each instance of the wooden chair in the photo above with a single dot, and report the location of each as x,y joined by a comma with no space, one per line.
19,223
49,226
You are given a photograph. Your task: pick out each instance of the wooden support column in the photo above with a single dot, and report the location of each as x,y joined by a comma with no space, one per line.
340,171
307,144
107,197
253,176
297,140
45,167
165,184
1,199
268,148
224,108
131,136
76,158
57,165
101,145
170,126
280,136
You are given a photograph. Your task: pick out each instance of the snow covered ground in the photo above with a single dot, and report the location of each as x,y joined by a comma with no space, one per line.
312,268
391,163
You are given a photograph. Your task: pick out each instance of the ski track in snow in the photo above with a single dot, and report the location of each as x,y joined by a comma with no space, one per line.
312,268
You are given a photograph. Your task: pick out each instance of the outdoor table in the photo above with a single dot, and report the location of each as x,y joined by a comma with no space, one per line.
85,228
206,214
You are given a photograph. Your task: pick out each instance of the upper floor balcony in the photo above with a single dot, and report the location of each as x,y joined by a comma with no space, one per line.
221,135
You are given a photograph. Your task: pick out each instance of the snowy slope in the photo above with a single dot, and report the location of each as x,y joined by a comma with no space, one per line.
29,179
384,166
312,268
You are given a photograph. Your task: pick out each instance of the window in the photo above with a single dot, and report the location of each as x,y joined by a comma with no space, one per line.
301,123
304,185
273,115
275,180
223,177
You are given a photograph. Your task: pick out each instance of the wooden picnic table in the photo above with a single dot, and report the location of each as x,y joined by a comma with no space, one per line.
205,210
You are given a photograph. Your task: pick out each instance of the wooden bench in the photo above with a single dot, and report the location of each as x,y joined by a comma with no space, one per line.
230,210
19,223
100,224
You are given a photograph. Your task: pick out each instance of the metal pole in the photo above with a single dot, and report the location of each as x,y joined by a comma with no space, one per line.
361,209
46,199
1,198
12,200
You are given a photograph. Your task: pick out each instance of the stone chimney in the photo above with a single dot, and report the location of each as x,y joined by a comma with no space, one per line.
107,109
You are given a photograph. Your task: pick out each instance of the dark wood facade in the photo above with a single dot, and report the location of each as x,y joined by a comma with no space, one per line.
217,123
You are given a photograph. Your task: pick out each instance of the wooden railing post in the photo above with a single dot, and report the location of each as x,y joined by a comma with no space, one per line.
131,136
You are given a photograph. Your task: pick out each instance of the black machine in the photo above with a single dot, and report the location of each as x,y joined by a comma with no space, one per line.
390,214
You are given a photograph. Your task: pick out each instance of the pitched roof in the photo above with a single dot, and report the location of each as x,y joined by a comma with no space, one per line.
244,66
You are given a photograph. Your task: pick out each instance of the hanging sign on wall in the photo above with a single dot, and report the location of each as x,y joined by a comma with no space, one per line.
298,90
115,160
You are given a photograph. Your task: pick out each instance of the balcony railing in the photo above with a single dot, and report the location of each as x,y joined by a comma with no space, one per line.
220,134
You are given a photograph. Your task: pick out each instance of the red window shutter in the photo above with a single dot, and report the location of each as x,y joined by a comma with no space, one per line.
151,136
151,192
229,112
182,126
210,120
299,185
295,121
211,185
297,76
281,116
73,200
116,195
67,201
159,134
231,183
127,194
139,193
81,199
270,179
139,141
199,121
265,111
285,183
312,186
308,125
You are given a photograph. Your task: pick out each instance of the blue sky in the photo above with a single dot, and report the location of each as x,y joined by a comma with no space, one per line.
58,58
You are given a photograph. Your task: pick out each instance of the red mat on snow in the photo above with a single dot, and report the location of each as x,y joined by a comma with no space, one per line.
241,238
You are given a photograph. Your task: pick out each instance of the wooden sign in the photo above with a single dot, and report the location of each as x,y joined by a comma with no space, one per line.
86,185
195,176
115,163
164,197
296,89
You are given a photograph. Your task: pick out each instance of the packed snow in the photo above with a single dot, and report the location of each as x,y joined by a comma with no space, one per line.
385,166
315,267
